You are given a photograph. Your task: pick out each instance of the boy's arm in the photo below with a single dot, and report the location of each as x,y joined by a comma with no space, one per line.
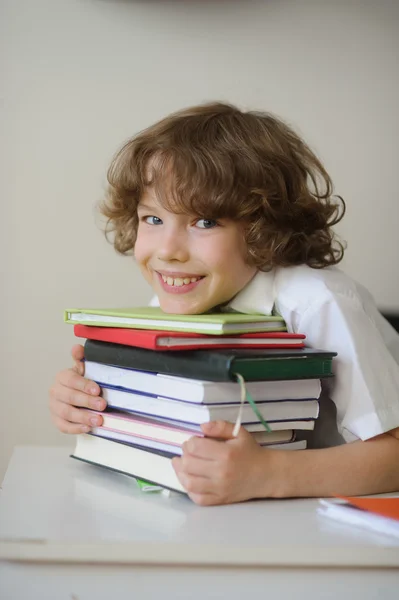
357,468
221,472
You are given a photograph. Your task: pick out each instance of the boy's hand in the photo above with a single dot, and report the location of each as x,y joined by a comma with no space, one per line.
221,470
71,394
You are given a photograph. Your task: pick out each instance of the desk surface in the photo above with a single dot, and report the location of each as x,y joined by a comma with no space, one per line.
56,509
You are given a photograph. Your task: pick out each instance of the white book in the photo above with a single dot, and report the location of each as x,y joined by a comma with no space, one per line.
279,426
177,449
198,391
152,406
174,433
152,466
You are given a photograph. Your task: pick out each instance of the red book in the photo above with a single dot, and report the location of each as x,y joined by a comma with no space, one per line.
176,340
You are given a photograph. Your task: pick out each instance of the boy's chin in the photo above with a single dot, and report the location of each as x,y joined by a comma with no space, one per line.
181,307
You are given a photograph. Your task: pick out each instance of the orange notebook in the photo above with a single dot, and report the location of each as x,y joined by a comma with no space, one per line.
385,507
377,515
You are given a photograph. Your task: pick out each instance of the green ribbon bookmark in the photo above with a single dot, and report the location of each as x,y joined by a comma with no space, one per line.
245,395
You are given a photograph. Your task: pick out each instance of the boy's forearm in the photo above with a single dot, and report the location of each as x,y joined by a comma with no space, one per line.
357,468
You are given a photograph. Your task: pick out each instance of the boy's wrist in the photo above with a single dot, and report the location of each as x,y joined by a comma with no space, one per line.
273,474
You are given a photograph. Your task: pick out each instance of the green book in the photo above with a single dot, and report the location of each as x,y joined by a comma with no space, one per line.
146,486
145,317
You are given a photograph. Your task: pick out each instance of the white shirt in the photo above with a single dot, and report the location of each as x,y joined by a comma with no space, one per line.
337,314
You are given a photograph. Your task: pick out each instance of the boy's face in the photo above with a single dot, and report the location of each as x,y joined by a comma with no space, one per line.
192,264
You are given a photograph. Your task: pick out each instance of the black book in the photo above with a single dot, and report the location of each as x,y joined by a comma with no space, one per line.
217,365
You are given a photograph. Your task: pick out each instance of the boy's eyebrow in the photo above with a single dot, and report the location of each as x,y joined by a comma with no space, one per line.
145,206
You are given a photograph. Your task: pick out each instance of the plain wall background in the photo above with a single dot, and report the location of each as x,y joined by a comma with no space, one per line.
78,77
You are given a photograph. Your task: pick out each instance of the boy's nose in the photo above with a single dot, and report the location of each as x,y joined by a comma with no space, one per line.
173,246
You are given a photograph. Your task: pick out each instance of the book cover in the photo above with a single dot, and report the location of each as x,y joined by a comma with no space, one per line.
217,365
150,317
173,340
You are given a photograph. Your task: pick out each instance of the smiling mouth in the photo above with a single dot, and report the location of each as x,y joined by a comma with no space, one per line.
179,281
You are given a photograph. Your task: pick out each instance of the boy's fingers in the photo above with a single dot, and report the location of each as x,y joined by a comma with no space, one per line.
222,430
65,395
204,448
71,414
73,380
72,428
68,413
191,465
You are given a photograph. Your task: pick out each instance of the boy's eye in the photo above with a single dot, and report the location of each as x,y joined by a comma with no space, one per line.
151,220
206,223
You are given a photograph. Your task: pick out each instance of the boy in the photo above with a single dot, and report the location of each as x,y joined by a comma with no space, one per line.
228,210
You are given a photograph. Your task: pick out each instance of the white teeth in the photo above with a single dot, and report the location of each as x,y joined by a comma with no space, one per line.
179,281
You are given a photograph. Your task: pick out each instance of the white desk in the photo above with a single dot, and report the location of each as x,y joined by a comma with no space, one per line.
74,531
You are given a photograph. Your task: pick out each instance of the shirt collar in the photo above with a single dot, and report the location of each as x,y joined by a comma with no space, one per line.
256,297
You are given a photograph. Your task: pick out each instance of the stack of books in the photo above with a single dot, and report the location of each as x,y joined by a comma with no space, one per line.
164,375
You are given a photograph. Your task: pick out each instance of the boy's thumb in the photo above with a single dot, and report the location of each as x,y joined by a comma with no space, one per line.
77,352
78,355
218,429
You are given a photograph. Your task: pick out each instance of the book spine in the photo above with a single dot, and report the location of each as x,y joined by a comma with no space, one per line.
277,369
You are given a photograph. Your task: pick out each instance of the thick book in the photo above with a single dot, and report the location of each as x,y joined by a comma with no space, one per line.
154,466
217,365
177,450
199,391
151,406
149,464
175,435
150,317
173,340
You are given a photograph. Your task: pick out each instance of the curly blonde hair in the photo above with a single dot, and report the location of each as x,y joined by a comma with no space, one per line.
216,161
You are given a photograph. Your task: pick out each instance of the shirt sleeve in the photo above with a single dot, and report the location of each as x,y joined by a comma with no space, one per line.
365,388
